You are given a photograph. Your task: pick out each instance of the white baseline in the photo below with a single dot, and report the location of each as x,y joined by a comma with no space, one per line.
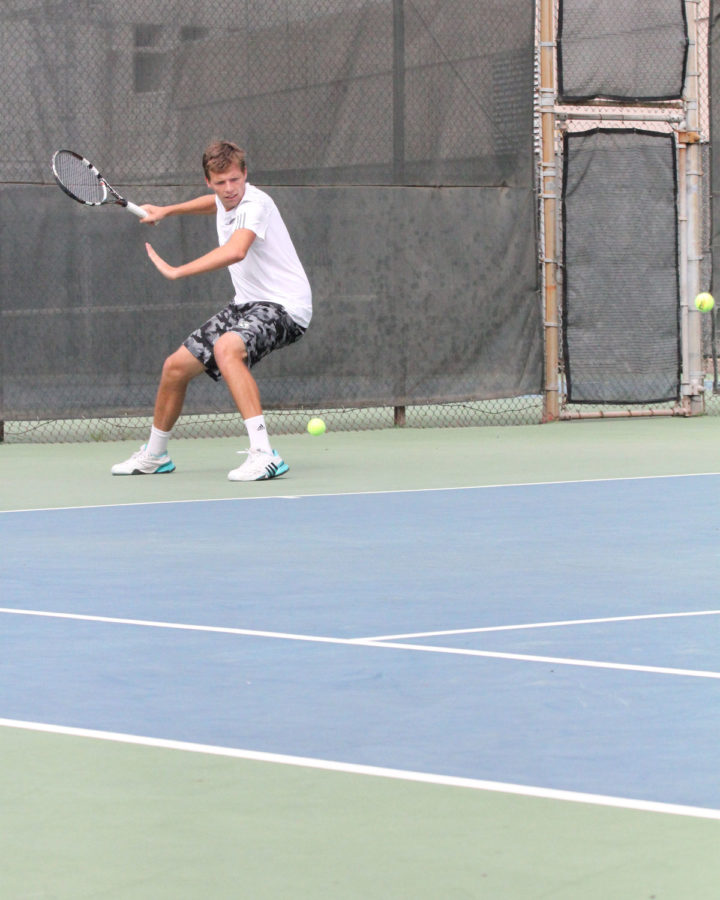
432,490
651,806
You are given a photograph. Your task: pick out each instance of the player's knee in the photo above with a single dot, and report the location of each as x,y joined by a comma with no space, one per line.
229,346
173,369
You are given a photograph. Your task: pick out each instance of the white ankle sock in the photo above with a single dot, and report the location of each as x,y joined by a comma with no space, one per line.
257,432
157,445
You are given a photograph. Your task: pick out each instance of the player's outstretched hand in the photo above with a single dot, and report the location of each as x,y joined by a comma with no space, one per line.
164,268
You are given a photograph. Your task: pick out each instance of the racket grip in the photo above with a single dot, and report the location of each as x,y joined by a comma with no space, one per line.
136,210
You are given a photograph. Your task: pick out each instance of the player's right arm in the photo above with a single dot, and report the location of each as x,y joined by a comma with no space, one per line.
199,206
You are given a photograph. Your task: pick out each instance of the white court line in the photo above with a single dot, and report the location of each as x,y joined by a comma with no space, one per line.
376,771
562,623
177,626
467,487
552,660
368,642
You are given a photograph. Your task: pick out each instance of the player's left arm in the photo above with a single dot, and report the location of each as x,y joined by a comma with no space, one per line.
235,250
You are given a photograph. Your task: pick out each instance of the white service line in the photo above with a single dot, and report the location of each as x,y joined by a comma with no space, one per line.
561,623
367,642
178,626
552,660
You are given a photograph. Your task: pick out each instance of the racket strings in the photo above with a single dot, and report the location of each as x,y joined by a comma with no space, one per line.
80,180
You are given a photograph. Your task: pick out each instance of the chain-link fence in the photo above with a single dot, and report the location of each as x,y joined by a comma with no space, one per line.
396,138
621,327
621,50
618,69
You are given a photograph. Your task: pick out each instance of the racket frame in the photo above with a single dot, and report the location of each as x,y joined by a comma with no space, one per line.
110,194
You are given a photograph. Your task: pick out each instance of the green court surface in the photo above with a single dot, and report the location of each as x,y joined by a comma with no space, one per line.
50,475
85,818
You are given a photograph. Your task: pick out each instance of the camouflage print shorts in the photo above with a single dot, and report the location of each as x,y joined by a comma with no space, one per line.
262,326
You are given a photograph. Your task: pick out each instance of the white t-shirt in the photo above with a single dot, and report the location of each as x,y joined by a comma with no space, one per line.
271,271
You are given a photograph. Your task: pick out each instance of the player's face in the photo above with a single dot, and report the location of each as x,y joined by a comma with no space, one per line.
229,185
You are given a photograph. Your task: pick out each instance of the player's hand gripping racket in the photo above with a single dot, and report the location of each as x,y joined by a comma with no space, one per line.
82,181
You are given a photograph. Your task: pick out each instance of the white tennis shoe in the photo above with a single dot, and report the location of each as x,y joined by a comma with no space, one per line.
259,466
144,463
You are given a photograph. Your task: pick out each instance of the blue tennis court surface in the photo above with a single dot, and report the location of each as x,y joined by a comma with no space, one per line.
581,619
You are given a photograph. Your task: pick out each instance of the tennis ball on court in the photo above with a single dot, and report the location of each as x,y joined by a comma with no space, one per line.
316,426
704,302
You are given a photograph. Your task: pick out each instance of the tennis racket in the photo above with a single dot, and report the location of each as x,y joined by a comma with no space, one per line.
82,181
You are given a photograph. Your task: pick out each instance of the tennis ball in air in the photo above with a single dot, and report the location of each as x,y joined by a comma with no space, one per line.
316,426
704,302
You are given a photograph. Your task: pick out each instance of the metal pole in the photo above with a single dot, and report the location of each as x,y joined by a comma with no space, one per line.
683,272
399,142
619,117
548,182
693,376
398,91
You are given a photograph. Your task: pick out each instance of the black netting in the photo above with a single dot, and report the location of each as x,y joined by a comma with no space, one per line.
353,114
621,295
621,49
331,91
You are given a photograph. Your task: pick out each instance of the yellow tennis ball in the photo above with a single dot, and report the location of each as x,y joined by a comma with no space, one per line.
316,426
704,302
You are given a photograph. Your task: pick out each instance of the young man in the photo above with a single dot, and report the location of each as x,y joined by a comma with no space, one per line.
272,307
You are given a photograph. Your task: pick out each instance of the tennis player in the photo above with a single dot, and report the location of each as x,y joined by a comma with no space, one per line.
272,307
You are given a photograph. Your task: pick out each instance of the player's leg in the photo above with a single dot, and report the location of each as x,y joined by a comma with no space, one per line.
178,371
231,357
259,329
191,359
152,458
263,462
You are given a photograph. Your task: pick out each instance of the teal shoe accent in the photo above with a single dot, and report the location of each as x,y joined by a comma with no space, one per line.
281,469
